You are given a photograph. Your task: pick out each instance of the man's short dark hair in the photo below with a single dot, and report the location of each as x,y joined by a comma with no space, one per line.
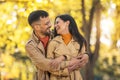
35,16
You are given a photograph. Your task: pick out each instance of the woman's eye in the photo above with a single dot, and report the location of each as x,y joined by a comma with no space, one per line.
57,22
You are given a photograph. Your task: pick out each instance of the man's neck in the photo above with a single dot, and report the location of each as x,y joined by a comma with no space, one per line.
39,35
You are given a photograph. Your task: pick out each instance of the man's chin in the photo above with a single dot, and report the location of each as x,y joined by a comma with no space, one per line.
47,34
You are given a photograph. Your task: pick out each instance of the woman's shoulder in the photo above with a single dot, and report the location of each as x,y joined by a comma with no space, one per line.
56,39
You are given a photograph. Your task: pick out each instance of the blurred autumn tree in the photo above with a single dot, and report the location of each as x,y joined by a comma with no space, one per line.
98,11
89,15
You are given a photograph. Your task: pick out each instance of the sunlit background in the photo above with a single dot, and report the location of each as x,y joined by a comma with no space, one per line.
15,31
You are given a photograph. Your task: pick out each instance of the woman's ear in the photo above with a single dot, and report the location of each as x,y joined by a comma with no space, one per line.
67,22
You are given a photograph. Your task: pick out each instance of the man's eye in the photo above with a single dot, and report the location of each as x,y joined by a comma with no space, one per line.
46,23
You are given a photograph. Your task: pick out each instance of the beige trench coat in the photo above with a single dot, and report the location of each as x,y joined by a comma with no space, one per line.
56,48
36,53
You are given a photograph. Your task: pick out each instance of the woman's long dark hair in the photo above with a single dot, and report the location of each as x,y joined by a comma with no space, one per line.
73,29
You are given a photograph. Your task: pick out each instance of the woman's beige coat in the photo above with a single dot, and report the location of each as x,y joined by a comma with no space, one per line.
56,48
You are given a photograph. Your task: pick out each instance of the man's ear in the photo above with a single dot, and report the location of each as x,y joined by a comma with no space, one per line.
36,27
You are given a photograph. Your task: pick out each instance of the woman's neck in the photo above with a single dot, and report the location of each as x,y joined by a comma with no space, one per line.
66,37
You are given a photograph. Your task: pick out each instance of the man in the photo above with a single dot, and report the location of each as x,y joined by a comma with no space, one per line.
36,47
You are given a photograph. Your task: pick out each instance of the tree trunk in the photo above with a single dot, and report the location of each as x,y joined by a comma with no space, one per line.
87,27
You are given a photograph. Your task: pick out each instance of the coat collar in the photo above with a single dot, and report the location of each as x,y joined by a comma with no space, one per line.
39,43
71,48
34,37
60,40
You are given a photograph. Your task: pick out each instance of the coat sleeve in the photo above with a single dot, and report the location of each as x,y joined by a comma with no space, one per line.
83,51
38,58
63,70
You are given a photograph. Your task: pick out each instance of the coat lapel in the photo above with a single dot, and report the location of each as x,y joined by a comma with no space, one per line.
71,49
41,48
39,44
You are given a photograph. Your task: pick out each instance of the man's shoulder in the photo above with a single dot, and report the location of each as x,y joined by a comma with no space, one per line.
30,41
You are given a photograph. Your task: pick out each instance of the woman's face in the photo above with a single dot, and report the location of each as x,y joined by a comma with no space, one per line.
61,26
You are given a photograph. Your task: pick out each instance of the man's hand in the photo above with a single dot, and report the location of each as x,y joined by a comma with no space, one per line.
73,64
55,63
83,58
78,62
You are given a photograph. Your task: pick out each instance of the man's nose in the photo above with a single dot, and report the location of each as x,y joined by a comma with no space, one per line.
50,25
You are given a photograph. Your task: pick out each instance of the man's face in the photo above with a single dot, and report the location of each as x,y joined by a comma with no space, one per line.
43,26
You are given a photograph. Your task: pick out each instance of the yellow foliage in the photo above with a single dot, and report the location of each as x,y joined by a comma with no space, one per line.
15,30
7,59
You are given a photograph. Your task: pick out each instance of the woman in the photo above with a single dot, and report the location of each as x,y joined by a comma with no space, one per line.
68,42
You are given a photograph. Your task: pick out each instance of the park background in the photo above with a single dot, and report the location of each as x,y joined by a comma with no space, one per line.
97,20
